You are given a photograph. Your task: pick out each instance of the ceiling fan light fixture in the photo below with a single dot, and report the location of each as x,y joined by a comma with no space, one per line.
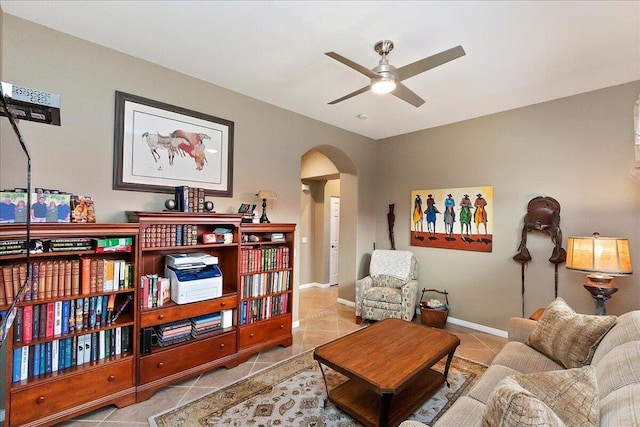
383,85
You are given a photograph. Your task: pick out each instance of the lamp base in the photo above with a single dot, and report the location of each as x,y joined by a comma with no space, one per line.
600,295
263,217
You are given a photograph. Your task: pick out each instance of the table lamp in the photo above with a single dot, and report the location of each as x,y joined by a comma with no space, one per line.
265,195
603,258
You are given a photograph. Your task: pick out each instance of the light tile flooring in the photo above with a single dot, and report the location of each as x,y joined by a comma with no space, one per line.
322,319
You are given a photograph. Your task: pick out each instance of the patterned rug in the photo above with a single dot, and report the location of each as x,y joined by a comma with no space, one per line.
292,393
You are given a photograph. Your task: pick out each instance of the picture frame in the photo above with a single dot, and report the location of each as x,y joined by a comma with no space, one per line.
158,146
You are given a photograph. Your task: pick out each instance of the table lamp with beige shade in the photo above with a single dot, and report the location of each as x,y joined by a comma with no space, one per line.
602,258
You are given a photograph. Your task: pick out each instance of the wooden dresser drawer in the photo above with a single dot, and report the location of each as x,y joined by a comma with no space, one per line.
186,356
174,312
265,330
32,403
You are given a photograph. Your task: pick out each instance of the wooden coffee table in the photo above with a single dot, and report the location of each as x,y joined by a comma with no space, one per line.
389,369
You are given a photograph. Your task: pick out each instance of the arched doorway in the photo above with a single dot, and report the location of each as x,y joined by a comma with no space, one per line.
327,172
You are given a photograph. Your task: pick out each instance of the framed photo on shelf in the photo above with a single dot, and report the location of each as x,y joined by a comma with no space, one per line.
158,146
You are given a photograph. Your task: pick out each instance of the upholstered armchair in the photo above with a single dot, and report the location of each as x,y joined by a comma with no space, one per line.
390,289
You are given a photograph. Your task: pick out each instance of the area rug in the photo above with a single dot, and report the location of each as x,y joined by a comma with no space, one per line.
292,393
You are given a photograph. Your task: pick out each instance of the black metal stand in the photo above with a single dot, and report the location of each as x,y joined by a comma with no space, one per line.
264,218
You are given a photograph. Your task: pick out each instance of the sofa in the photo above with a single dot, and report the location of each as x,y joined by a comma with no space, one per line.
557,371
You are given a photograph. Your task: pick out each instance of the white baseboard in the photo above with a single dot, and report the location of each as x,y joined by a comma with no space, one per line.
314,285
346,302
295,324
2,415
477,327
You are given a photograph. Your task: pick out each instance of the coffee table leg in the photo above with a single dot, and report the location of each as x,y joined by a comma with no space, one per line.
326,386
385,403
446,367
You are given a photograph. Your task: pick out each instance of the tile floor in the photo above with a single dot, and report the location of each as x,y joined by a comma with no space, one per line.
321,319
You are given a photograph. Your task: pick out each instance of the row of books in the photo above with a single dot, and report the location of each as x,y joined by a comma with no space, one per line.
60,278
155,291
54,319
264,308
57,355
264,283
165,235
189,199
100,245
253,260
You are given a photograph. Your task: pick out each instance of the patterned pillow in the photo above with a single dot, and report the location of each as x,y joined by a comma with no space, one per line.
554,398
387,281
567,337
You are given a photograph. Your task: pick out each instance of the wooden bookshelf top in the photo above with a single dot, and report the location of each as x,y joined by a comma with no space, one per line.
44,230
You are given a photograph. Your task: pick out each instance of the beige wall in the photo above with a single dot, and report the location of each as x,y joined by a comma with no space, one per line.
78,156
578,150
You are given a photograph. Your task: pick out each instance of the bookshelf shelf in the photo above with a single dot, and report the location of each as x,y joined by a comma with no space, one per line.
47,368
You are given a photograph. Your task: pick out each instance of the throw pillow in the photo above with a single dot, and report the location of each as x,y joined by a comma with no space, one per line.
557,398
567,337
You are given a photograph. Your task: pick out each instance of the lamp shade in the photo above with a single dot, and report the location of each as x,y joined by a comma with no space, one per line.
267,194
606,255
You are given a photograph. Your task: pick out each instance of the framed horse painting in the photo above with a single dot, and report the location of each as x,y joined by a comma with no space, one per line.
453,218
160,146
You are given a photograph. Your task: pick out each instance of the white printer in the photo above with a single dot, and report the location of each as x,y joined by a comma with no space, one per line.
194,277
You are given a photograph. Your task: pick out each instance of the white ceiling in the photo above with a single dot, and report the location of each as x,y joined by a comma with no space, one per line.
518,52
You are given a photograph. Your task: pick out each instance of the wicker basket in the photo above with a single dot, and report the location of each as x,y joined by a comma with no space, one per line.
434,317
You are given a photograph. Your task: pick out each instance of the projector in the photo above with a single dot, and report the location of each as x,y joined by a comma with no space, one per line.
31,104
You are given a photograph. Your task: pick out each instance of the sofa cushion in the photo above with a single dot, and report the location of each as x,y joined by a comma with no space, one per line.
524,359
465,412
618,368
567,337
626,329
621,408
488,382
565,397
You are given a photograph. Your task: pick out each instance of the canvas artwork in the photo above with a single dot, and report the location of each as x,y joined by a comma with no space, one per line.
453,218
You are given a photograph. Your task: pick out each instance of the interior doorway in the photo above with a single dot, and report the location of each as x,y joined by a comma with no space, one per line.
328,237
334,240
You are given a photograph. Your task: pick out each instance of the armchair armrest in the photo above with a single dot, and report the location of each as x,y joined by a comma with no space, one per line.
518,328
409,299
361,286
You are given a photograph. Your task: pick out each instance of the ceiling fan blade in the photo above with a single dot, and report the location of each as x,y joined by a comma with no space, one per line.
430,62
351,95
406,94
349,63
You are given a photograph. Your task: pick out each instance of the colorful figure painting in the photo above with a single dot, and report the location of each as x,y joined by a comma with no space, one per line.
453,218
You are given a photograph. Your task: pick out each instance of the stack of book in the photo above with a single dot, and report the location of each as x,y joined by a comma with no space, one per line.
113,244
203,326
11,247
71,244
174,332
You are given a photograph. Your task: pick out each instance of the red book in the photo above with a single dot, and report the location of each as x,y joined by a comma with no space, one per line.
144,291
27,323
51,318
85,267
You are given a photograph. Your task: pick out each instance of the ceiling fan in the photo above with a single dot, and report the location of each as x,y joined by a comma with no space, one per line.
385,78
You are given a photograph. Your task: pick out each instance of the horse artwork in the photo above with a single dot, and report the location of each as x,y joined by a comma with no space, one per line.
429,229
543,215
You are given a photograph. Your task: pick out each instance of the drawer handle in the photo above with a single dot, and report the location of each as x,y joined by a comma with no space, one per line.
161,365
222,304
281,326
222,345
251,335
111,378
160,316
40,400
